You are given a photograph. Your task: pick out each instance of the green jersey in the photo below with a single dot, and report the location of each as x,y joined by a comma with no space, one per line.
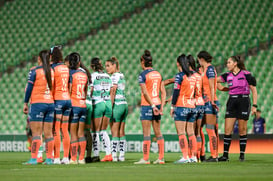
101,83
119,80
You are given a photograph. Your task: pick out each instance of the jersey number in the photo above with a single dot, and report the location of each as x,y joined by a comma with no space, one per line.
154,91
64,87
80,91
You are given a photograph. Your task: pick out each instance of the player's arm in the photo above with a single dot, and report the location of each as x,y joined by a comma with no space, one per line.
220,87
113,91
264,128
29,88
176,90
212,76
169,81
163,96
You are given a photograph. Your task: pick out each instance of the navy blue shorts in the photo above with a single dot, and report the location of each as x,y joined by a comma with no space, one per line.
78,114
43,112
63,107
146,113
209,109
199,111
184,114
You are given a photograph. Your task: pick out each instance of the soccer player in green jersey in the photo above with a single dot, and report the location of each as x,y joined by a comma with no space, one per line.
120,109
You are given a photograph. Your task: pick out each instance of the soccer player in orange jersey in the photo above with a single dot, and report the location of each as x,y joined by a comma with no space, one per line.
209,77
62,105
78,89
151,107
182,109
41,113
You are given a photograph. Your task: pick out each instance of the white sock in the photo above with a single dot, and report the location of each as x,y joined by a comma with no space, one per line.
96,143
40,152
115,144
122,147
106,141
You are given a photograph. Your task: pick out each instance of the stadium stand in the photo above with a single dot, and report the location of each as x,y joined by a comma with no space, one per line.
167,29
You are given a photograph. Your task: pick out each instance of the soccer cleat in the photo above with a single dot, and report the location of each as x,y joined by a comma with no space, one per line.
81,161
193,159
142,161
182,161
202,158
210,159
223,159
242,158
48,161
57,161
107,158
95,159
40,160
73,162
115,159
88,159
162,161
32,161
65,161
121,158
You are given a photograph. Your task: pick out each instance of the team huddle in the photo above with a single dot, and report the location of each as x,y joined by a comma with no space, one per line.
66,98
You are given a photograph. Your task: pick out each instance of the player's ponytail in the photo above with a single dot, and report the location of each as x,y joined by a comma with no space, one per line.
184,63
240,62
74,59
45,56
86,71
192,62
147,58
96,64
113,61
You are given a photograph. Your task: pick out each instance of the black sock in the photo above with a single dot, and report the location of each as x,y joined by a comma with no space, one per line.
227,141
243,140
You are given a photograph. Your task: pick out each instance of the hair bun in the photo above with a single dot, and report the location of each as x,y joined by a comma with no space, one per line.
147,53
114,58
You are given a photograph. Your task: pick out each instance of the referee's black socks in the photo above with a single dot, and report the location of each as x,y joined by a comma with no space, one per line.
243,140
227,141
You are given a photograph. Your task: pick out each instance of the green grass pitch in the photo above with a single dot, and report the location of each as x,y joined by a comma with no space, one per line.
256,167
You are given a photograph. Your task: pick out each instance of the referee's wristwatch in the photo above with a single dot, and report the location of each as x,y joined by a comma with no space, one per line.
255,105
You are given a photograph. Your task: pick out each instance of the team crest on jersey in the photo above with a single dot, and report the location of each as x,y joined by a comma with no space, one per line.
176,86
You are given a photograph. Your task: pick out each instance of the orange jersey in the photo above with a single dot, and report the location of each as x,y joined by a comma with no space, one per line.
39,91
187,87
61,76
199,101
209,73
152,80
78,82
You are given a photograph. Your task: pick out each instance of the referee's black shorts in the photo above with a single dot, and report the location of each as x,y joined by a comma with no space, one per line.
238,106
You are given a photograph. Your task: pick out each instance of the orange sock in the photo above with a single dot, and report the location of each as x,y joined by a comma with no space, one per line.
203,151
160,142
82,147
183,142
217,138
192,145
199,146
212,140
146,147
74,150
49,147
66,139
57,138
35,145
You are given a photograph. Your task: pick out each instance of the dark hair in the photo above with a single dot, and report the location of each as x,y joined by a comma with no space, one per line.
192,62
57,55
86,71
44,56
147,58
66,58
114,60
205,55
184,63
96,64
240,62
74,58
